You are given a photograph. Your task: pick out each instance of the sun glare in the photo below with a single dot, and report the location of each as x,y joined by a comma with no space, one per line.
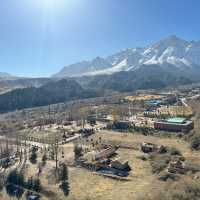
49,4
53,6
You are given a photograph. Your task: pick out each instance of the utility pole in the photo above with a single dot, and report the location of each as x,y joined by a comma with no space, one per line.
129,110
1,149
7,146
49,111
56,152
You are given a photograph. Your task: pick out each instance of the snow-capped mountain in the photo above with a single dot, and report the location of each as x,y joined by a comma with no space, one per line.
84,67
172,50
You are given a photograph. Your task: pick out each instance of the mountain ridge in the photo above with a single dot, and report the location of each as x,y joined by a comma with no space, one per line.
6,76
173,50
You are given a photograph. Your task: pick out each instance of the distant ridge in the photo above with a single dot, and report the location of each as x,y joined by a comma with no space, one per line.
4,75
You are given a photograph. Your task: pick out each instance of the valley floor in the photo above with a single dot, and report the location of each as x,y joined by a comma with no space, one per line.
85,185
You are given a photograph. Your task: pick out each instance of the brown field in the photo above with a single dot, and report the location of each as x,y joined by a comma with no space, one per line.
176,111
86,185
143,97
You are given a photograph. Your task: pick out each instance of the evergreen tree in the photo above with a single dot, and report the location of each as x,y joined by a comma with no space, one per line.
65,187
29,183
15,178
64,179
14,182
64,173
33,157
44,159
1,183
36,185
77,151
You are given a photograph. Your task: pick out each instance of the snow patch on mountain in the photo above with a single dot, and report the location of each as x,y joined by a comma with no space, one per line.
117,68
178,62
151,61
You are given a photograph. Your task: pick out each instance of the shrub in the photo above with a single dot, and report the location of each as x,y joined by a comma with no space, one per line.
44,159
159,162
193,168
164,176
184,189
77,151
194,139
175,152
195,142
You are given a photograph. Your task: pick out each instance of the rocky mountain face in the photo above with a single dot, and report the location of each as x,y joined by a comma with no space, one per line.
151,77
85,67
182,55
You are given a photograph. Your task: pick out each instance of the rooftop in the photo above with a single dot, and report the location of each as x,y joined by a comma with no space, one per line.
177,120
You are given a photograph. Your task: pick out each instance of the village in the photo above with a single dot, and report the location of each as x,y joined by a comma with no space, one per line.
124,143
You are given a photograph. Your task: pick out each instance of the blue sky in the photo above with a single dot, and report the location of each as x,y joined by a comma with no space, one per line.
39,37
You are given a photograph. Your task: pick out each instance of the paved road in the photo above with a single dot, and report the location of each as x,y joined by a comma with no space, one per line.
183,101
32,143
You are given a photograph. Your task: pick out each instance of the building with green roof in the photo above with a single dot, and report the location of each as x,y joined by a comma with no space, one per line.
175,124
176,120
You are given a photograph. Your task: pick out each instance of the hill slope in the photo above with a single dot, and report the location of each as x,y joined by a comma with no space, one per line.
50,93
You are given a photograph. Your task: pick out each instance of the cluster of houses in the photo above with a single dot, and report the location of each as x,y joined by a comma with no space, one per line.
159,114
176,163
175,124
153,117
103,161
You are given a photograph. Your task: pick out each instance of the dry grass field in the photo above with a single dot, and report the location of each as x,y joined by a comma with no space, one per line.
175,111
143,97
85,185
